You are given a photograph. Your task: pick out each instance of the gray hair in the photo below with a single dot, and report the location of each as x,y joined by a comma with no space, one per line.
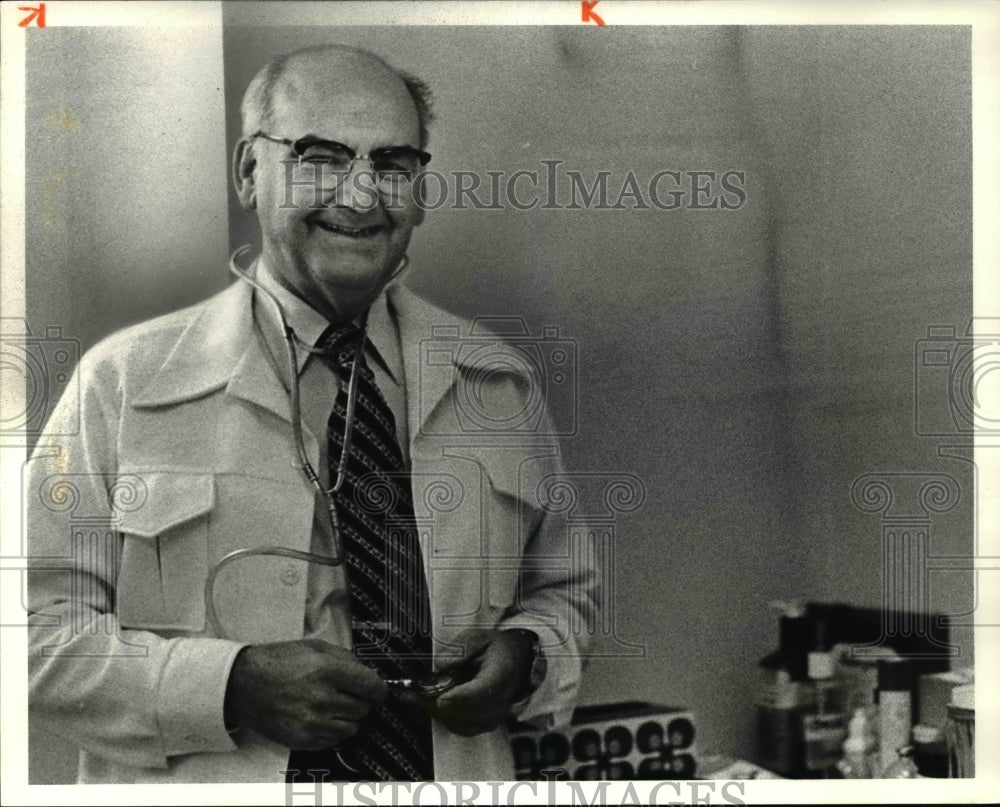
257,108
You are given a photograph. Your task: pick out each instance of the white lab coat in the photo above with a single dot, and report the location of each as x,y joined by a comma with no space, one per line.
178,450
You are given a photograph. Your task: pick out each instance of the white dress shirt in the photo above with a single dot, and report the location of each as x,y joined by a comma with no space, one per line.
327,601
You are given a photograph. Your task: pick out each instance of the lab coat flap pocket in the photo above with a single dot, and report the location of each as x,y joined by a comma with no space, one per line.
163,501
164,555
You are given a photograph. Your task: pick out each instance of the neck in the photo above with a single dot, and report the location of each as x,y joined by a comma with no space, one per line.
347,306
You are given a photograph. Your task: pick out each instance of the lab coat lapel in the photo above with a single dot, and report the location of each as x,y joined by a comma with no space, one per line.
256,379
455,550
204,355
419,322
221,347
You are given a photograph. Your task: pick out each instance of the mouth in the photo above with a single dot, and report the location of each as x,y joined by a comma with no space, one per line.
350,232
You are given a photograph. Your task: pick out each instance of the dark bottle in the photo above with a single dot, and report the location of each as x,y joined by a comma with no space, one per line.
930,752
784,699
824,729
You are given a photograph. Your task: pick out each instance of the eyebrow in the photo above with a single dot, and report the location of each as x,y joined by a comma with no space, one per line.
323,139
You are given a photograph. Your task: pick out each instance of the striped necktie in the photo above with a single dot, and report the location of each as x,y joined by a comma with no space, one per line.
388,591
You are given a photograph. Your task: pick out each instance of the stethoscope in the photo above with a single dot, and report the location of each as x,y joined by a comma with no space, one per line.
292,345
437,683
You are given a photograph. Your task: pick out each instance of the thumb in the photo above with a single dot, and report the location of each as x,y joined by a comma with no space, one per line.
413,700
465,646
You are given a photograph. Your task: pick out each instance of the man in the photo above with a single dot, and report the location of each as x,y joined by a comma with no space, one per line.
286,528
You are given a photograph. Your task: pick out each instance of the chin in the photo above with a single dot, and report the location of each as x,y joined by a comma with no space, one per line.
356,276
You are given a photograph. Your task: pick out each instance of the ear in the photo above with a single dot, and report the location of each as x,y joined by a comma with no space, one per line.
244,165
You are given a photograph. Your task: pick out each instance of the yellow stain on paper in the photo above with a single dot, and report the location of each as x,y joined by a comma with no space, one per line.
56,457
61,120
61,461
53,181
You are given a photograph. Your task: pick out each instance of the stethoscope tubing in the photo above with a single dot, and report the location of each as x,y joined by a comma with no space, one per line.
291,354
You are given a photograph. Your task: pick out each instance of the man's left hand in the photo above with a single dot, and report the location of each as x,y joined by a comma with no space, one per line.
494,668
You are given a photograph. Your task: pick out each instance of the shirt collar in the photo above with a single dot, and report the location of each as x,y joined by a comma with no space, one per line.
309,324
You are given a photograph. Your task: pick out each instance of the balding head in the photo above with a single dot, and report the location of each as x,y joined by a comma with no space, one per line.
284,78
337,254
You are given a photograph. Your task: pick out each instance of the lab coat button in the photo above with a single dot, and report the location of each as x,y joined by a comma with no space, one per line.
290,575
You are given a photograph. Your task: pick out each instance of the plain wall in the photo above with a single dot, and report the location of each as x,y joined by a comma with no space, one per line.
746,365
125,196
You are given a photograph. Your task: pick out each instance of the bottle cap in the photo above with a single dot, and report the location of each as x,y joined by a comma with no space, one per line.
821,665
895,675
964,696
925,735
789,608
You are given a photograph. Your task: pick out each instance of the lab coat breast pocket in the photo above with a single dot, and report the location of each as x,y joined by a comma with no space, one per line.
164,561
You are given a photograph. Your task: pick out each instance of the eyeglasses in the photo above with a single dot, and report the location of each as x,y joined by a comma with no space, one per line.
392,166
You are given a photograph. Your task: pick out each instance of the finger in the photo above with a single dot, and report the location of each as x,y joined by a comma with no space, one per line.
353,678
492,670
470,725
340,730
413,700
328,734
446,663
343,706
463,702
469,645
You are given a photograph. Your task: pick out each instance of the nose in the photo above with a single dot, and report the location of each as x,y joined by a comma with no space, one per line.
357,189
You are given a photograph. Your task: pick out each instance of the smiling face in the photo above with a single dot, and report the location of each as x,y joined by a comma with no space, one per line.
337,258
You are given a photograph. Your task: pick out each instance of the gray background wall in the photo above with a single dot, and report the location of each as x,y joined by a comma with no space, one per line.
747,365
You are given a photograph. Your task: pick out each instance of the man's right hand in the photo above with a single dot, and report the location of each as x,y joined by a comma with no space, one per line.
306,694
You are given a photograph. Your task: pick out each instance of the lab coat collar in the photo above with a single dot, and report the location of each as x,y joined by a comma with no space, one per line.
220,348
309,325
205,355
